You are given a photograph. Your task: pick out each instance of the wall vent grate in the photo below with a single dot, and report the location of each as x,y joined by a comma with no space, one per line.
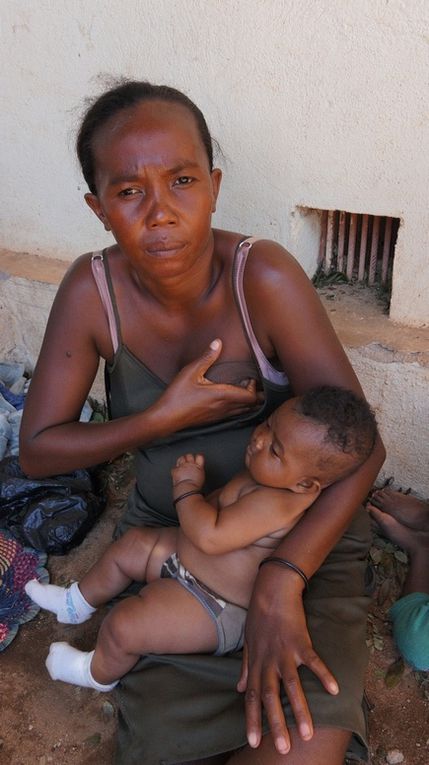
360,246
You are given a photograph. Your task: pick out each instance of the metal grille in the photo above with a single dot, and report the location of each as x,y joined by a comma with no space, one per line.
360,246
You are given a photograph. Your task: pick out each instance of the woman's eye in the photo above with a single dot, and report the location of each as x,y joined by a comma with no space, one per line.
128,192
184,180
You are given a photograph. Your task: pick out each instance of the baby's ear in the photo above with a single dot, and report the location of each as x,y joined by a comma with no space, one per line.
308,486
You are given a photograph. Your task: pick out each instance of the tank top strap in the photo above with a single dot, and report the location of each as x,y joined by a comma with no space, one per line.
103,280
240,259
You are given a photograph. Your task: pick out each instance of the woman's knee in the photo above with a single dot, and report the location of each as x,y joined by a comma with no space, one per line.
328,745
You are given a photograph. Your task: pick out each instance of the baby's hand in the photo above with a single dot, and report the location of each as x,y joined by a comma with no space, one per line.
189,473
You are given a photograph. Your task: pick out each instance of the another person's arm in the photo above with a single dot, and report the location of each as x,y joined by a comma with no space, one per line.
53,441
290,323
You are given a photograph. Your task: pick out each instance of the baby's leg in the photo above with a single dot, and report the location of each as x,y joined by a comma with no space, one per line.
136,556
164,618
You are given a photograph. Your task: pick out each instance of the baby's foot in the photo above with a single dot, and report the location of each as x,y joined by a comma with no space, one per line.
68,604
72,666
407,510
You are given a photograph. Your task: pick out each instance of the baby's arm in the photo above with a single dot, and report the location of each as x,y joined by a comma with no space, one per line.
251,517
188,475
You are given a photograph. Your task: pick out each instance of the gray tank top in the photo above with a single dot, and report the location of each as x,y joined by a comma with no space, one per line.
132,387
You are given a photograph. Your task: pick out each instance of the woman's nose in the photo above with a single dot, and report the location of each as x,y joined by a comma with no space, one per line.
160,211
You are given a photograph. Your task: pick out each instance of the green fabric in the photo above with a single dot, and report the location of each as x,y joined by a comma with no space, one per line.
175,708
410,617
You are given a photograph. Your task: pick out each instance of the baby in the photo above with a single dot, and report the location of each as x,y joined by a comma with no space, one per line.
311,441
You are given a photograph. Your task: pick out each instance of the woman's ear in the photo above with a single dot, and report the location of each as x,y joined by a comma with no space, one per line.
216,176
92,202
308,486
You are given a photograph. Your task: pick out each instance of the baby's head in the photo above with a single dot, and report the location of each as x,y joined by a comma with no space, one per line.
312,441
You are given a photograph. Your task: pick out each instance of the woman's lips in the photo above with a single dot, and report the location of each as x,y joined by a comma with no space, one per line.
163,248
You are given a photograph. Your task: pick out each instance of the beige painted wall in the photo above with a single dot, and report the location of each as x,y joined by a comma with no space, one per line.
320,103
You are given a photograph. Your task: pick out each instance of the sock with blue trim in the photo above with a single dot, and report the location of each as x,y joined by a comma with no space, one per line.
67,603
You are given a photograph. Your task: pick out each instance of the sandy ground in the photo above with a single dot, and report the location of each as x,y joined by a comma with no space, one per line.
45,722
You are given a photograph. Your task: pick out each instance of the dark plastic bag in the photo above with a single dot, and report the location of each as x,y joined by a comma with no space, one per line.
50,514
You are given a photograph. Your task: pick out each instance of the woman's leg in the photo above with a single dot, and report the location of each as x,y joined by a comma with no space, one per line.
327,747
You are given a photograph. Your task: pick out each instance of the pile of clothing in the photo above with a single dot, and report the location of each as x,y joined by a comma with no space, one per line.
13,388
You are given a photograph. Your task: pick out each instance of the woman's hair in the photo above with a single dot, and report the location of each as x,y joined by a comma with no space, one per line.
125,95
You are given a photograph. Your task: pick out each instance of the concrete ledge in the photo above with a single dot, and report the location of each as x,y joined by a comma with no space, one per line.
31,267
28,285
392,361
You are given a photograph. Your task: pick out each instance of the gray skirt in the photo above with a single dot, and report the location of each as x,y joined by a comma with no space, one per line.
185,707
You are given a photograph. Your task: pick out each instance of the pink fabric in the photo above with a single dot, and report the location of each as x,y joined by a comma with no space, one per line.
97,266
267,370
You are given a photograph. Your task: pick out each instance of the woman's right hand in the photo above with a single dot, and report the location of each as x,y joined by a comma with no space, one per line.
192,399
277,642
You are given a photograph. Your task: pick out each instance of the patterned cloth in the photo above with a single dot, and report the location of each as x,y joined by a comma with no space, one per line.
18,565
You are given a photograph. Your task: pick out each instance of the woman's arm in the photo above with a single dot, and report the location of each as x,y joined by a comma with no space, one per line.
53,441
291,324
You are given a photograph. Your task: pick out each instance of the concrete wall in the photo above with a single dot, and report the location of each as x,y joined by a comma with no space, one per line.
318,103
398,391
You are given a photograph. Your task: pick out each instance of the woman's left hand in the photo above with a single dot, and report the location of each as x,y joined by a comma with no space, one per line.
277,643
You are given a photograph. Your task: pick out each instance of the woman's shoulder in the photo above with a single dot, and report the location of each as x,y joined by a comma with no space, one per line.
80,273
264,251
275,283
268,256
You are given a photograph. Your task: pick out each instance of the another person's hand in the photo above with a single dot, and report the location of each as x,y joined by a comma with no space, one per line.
277,643
188,474
191,399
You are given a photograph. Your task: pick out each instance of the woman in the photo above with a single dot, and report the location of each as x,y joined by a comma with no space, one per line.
204,333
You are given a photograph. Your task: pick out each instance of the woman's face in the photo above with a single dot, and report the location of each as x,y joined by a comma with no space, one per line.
155,190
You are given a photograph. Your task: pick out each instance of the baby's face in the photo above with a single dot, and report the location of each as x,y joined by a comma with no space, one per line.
281,450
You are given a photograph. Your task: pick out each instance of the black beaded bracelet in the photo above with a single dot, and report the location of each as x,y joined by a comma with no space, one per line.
287,564
186,494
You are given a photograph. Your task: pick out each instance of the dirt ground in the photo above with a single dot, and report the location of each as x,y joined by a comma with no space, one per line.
44,722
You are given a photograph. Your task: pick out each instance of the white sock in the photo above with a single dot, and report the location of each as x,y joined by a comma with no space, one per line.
72,666
67,603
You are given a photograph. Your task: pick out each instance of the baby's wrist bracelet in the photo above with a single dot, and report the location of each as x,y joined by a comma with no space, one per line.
287,564
186,494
